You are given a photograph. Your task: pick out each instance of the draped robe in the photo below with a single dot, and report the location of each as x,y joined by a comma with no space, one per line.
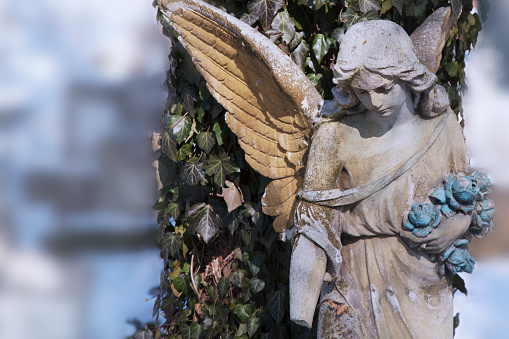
390,289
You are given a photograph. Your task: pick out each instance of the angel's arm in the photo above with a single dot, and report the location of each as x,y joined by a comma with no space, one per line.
324,163
322,172
315,241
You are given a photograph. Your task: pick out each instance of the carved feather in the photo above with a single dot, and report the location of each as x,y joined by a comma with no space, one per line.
270,101
430,37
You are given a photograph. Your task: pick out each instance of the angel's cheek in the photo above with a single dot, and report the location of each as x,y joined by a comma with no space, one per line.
390,101
367,100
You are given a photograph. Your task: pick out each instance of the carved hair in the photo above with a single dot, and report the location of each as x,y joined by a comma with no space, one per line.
383,48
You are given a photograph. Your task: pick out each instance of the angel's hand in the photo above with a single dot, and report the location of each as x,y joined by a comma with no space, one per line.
447,232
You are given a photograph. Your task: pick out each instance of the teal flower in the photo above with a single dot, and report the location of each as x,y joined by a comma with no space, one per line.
483,182
482,219
457,259
461,193
464,190
422,219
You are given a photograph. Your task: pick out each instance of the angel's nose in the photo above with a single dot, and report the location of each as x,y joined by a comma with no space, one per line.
375,99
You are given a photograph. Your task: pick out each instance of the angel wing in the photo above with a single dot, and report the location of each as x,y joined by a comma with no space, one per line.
270,103
430,37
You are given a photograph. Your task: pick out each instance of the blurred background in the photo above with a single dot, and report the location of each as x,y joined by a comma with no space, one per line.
81,88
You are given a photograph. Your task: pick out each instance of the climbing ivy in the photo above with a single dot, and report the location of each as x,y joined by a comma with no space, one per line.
225,272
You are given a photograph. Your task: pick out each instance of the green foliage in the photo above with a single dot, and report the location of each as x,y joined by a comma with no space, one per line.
204,220
265,10
225,274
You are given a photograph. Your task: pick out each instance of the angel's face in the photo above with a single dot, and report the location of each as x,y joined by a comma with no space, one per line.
380,95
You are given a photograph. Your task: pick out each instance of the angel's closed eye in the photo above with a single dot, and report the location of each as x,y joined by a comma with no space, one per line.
383,89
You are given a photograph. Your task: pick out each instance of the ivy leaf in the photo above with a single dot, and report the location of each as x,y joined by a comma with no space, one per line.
278,332
166,169
256,262
386,5
237,277
232,221
417,8
241,331
172,243
232,196
169,145
308,3
215,109
201,114
213,327
371,15
285,25
183,152
180,285
296,40
219,312
196,330
300,54
452,68
243,312
185,331
246,236
157,303
338,33
276,306
204,220
398,4
183,129
366,5
217,130
252,326
249,18
175,119
222,287
273,35
143,334
188,103
349,14
456,6
319,3
257,285
168,306
173,209
265,10
459,283
219,166
314,78
194,173
174,273
192,331
205,141
321,46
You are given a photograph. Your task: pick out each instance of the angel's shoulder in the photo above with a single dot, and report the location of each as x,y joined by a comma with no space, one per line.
334,130
330,137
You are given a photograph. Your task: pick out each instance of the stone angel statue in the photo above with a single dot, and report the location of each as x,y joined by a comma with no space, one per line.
373,188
